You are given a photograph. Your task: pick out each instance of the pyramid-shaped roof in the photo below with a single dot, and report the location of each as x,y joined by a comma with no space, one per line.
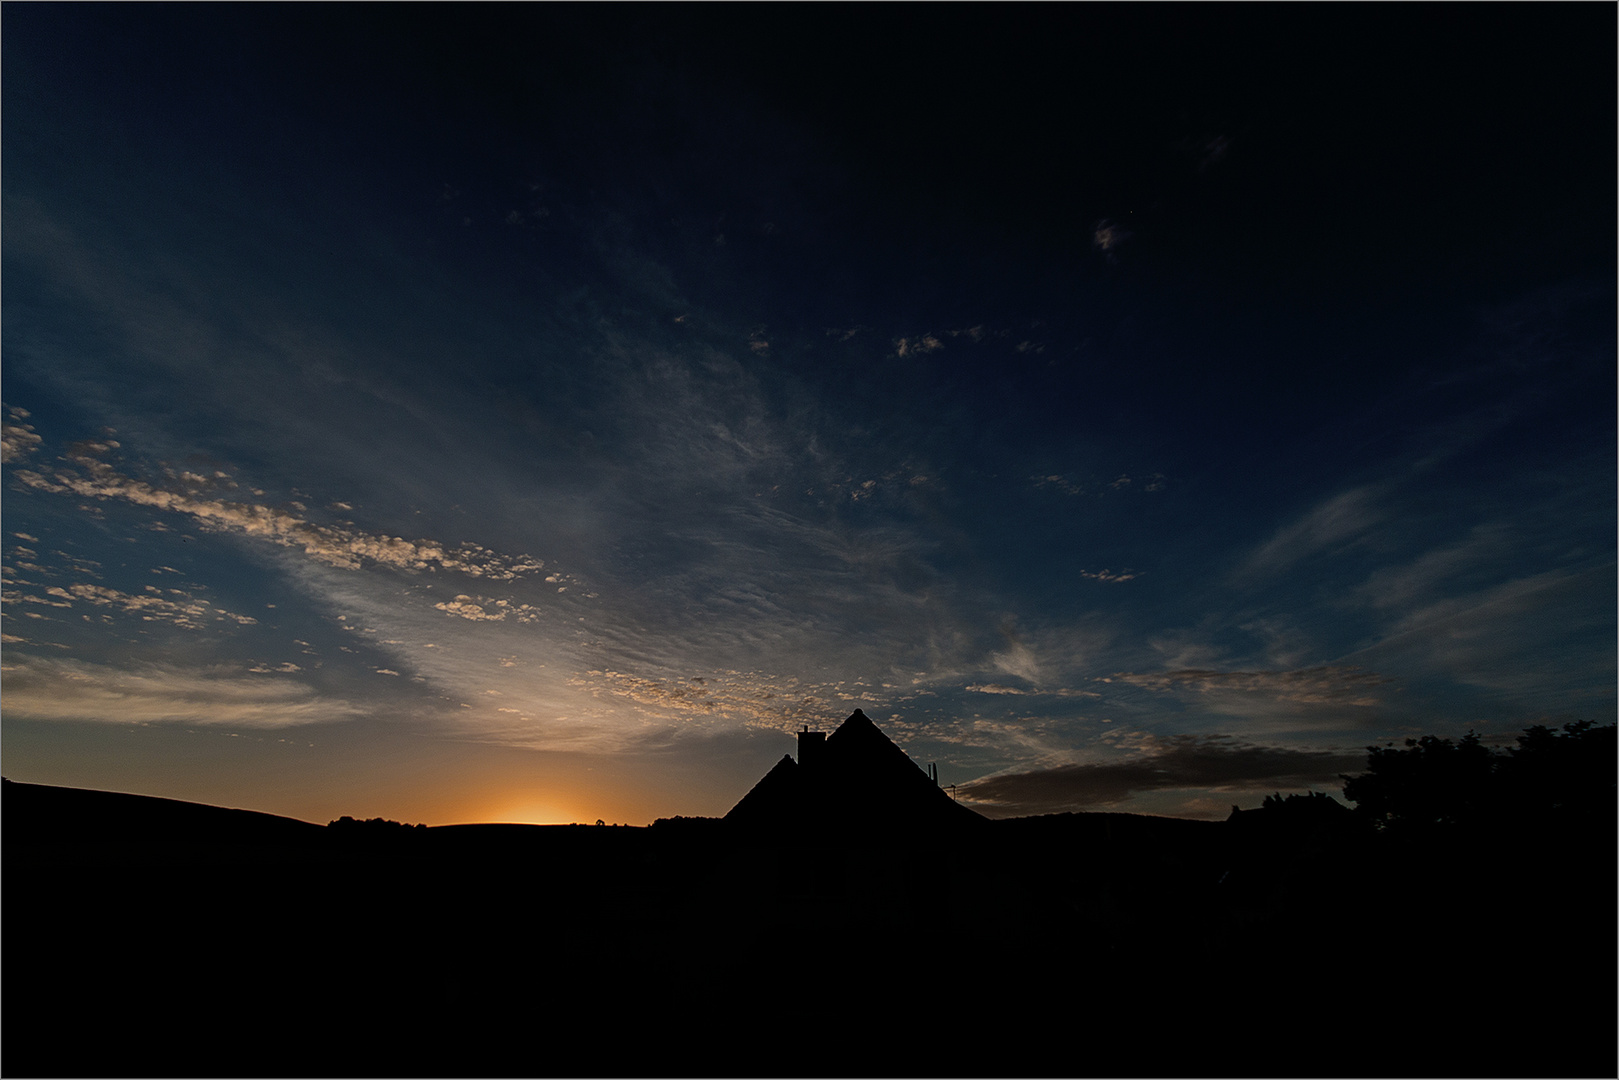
858,779
778,787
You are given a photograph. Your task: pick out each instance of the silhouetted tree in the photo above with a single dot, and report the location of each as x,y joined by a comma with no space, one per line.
373,829
1435,784
1300,803
680,821
1563,774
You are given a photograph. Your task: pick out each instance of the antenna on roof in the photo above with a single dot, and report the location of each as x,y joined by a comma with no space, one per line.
953,793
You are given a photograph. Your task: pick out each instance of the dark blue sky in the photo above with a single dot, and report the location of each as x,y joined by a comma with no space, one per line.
537,413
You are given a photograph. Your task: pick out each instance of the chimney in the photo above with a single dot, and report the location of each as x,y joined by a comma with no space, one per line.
809,745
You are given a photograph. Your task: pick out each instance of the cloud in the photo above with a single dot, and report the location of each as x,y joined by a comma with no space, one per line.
1108,236
188,612
339,545
482,609
1060,482
17,439
1330,525
1216,762
1317,685
997,688
917,346
754,699
1527,641
994,688
1123,483
1042,739
1017,659
1211,151
1401,586
1509,599
152,604
71,690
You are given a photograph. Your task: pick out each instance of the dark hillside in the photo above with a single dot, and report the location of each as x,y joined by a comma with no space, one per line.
37,814
1070,944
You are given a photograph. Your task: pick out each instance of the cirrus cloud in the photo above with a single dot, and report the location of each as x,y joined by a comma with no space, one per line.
339,544
1316,685
73,690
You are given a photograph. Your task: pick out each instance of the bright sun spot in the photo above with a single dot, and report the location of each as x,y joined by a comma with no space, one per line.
533,812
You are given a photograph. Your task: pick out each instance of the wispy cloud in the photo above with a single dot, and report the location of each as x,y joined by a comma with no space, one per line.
286,668
150,603
1108,575
1329,526
754,699
42,689
481,609
997,688
1523,641
994,688
337,544
1017,659
1398,587
186,611
1317,685
1212,151
1124,482
1032,741
17,439
1108,236
920,345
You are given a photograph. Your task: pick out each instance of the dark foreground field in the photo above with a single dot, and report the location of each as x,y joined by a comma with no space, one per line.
147,937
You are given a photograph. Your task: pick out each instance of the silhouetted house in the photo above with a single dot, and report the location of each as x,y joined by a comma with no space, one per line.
1283,845
1297,821
853,778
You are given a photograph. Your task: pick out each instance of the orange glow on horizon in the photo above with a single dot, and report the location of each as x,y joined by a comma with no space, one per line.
530,812
516,805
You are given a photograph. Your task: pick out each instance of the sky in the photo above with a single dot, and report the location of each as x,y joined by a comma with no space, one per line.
540,413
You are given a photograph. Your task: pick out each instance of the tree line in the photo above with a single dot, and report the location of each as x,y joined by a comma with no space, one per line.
1550,779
